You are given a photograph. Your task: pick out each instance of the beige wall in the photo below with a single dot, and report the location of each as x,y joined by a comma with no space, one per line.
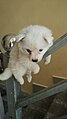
15,14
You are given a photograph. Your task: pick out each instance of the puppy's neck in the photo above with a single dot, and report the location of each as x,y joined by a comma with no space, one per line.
22,55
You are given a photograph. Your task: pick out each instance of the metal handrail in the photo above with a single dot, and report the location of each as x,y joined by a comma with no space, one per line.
13,87
60,42
59,87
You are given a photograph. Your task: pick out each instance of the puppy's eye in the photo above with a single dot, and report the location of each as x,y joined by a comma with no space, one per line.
29,51
40,50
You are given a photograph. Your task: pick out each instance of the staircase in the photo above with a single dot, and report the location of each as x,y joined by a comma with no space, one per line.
49,108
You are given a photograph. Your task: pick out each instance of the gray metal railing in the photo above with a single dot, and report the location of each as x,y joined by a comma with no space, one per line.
60,42
13,87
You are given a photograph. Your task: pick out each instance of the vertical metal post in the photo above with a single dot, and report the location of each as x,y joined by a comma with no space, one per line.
13,90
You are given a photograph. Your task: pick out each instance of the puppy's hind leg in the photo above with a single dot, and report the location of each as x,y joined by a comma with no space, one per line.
6,74
19,75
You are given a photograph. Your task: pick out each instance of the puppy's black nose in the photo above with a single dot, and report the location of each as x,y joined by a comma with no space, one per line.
34,60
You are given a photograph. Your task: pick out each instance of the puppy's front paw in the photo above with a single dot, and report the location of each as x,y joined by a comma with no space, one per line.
21,81
29,78
48,59
37,69
47,62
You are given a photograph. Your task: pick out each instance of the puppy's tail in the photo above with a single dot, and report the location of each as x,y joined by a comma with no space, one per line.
6,74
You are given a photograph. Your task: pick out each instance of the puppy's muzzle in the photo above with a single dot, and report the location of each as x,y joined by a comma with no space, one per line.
36,60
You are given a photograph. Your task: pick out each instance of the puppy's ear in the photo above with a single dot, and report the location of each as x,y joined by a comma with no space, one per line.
20,37
49,39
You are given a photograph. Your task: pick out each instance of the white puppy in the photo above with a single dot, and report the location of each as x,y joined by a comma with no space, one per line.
32,43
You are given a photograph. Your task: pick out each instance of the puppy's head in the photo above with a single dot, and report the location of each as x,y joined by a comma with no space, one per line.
34,41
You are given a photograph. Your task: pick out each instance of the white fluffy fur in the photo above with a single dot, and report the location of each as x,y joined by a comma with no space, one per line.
22,61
